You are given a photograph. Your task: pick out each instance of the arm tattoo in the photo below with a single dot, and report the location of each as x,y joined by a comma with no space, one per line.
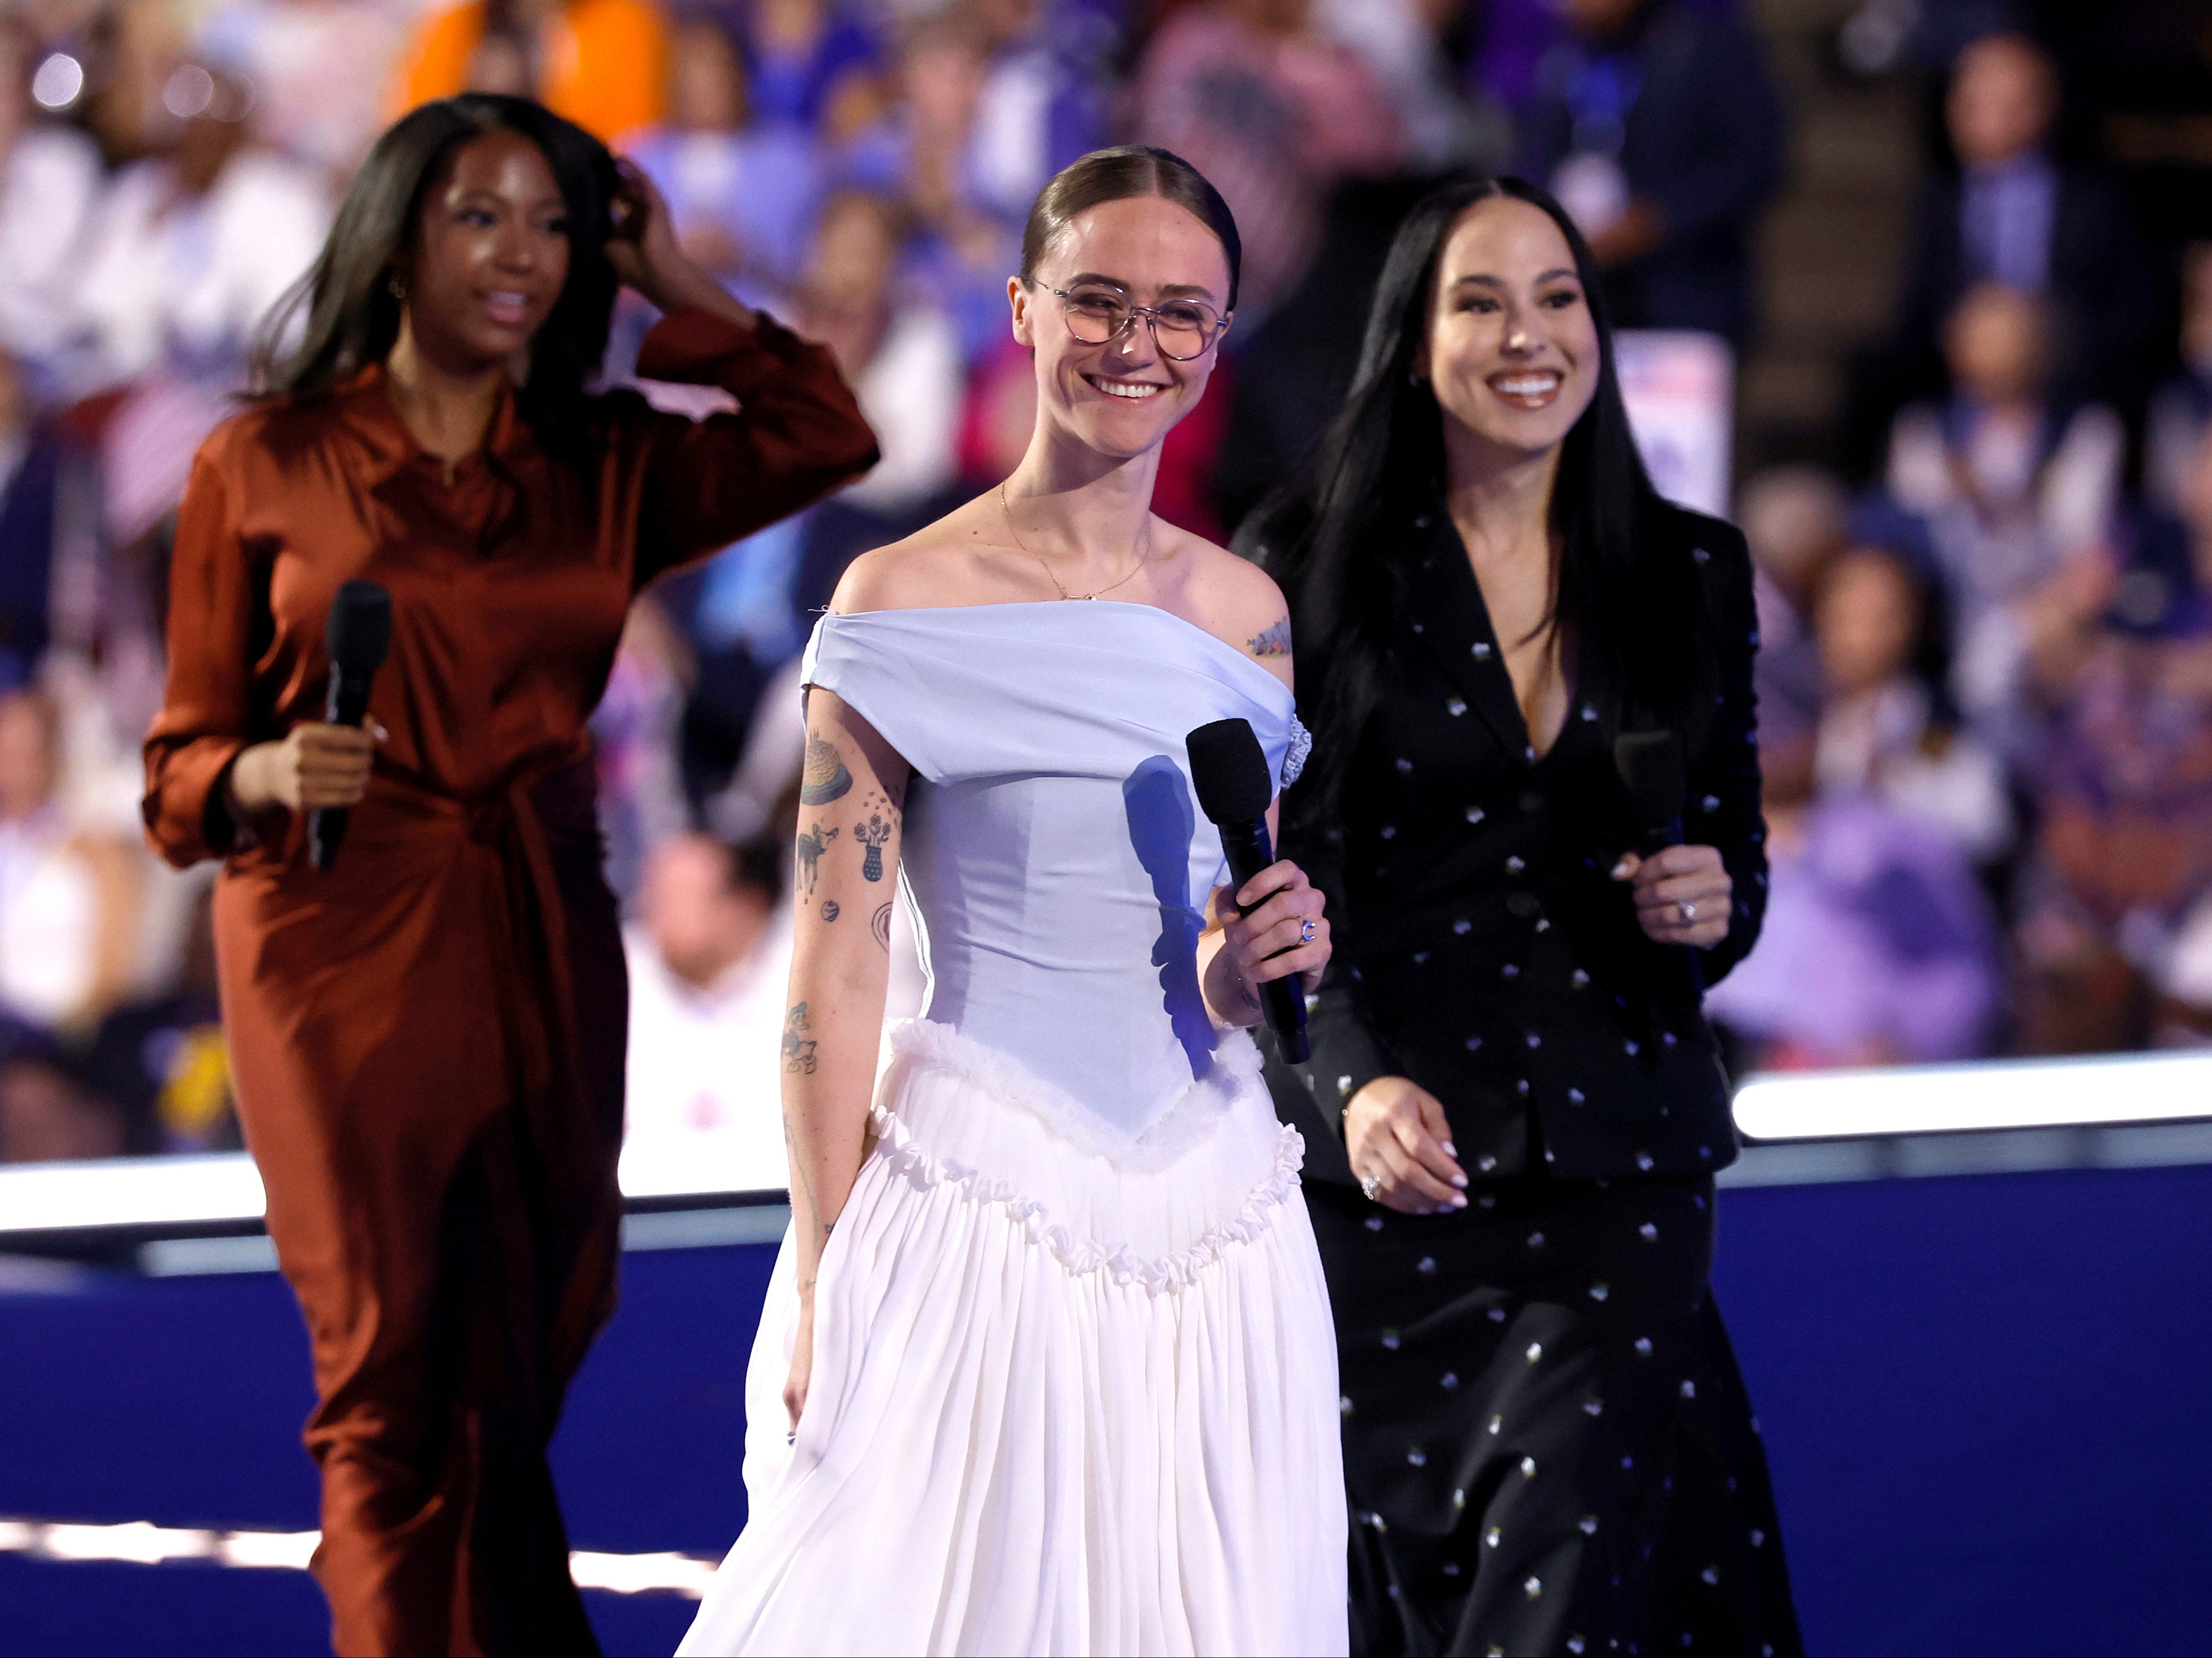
1275,641
830,911
798,1051
871,835
811,842
825,778
880,924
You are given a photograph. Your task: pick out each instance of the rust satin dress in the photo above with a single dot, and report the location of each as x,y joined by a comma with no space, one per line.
427,1038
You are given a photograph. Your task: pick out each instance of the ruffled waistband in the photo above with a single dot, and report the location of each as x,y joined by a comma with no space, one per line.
951,1112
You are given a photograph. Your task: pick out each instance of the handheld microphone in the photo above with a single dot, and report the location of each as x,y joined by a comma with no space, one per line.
1234,788
358,638
1651,767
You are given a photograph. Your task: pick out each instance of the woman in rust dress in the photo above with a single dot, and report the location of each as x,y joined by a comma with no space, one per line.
427,1036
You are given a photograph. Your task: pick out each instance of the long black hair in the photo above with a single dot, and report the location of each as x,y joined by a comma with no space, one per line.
1338,535
349,293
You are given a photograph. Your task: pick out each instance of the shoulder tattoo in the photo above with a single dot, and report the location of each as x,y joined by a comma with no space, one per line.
1275,641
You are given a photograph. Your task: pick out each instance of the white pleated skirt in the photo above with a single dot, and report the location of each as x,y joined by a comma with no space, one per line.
1062,1401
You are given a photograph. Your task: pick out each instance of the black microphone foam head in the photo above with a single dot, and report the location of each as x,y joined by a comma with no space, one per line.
1650,764
1230,771
360,631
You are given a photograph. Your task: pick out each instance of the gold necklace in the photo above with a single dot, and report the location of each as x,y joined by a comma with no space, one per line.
1046,568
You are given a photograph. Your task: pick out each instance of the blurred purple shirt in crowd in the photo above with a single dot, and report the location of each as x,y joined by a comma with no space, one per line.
1878,944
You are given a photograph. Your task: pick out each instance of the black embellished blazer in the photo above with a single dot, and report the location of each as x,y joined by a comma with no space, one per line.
1482,948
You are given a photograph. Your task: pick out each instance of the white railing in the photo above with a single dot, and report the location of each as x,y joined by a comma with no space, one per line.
1824,1105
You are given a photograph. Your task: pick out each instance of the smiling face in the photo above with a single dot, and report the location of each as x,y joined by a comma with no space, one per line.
1120,398
490,253
1512,349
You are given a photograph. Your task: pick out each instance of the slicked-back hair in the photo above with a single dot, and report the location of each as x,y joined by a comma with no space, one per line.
1121,175
352,314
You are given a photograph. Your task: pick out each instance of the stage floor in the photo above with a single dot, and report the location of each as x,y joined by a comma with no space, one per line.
1985,1397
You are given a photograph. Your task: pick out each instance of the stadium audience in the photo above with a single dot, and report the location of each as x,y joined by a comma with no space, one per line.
48,1115
815,66
69,922
1878,948
2015,214
744,191
1985,685
2012,484
899,349
1795,519
2183,406
30,482
160,1059
187,251
1275,113
709,954
2009,209
50,178
1659,126
1882,733
2117,928
603,63
318,69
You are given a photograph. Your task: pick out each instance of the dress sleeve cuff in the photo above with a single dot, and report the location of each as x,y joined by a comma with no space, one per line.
1346,1056
693,347
184,811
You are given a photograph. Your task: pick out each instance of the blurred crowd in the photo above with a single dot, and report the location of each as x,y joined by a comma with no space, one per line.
1988,665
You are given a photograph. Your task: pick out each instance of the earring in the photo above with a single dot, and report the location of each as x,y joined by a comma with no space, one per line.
396,288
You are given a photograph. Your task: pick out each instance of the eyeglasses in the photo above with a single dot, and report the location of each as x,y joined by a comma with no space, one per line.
1181,329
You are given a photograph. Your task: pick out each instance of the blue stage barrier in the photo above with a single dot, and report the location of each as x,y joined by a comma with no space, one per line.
1983,1394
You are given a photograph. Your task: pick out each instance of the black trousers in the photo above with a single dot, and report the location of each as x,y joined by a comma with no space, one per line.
1548,1446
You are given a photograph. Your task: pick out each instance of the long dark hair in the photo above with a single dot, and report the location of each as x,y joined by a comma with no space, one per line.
1337,534
352,312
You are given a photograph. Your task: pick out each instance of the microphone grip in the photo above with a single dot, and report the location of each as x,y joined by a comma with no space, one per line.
345,702
1282,1001
1658,838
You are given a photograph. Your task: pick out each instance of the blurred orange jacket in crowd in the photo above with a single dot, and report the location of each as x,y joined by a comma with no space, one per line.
602,64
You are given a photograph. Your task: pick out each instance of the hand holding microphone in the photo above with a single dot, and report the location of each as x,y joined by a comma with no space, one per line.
1279,932
322,767
1682,892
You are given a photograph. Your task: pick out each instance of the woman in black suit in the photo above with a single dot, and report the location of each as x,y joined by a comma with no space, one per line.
1547,1442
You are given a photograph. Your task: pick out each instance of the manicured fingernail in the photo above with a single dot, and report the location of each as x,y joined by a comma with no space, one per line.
1451,1151
1621,869
1460,1181
1460,1202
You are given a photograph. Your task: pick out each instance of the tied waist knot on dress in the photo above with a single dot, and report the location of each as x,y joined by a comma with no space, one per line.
525,828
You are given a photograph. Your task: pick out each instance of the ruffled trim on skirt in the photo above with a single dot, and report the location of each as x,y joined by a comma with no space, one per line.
1060,1402
1058,1405
1079,1254
1157,1211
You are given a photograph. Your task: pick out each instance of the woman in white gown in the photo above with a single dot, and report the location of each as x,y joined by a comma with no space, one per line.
1062,1378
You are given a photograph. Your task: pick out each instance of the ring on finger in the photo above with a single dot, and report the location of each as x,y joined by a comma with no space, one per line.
1689,912
1306,933
1371,1184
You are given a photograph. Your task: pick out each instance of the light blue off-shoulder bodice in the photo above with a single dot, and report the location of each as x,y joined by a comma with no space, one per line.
1055,862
